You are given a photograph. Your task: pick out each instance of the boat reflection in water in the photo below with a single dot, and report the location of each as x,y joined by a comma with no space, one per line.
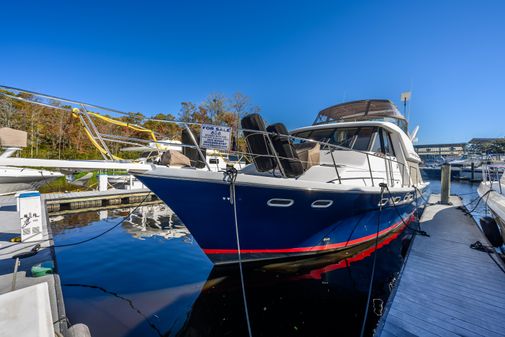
323,295
151,279
155,220
142,223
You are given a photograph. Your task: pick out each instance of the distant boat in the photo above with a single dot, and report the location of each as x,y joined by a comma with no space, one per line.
15,179
492,191
467,167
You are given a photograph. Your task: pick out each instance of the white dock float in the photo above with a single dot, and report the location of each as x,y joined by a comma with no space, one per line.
446,288
26,312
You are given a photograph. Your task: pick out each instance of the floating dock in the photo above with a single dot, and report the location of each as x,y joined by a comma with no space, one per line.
446,288
31,299
74,202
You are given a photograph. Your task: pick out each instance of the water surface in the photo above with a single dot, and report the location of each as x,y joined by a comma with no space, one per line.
147,277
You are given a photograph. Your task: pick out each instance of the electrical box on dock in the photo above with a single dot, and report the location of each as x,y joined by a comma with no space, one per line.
30,216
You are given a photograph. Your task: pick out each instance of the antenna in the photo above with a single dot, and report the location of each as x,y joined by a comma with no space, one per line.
405,96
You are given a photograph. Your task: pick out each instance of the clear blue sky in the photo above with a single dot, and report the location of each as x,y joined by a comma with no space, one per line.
292,58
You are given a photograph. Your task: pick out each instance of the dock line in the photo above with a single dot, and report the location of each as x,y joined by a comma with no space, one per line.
129,301
370,285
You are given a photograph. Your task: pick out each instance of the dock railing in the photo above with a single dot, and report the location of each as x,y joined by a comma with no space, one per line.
85,112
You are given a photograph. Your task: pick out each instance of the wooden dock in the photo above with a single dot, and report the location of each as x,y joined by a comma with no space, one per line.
445,287
73,202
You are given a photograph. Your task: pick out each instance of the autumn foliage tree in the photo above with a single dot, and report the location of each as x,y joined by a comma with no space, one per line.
55,133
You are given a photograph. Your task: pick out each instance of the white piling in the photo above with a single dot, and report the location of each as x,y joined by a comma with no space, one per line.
103,181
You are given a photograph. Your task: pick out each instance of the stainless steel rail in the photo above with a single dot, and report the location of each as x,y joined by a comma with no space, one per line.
83,109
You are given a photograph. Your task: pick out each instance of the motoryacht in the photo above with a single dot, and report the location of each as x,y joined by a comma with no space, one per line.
347,179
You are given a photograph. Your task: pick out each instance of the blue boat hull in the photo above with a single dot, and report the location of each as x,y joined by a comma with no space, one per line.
267,232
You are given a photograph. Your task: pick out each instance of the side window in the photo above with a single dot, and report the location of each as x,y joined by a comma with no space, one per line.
344,137
388,147
376,146
322,135
303,134
363,138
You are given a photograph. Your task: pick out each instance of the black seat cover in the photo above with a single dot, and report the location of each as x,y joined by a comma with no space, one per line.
286,151
257,142
191,153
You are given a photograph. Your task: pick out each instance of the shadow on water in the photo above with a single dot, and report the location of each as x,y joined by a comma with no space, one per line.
148,277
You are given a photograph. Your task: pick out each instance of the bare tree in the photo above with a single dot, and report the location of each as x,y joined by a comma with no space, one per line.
215,104
187,112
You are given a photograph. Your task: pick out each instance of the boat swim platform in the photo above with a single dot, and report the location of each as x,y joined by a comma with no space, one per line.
75,202
445,288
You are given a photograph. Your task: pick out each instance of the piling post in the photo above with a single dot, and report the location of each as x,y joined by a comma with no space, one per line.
103,180
445,184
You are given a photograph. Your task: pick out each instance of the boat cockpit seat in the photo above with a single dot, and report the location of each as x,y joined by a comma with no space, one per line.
288,157
309,153
257,142
192,153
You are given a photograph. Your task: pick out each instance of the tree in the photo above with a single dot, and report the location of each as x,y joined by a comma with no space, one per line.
163,129
215,105
187,111
7,112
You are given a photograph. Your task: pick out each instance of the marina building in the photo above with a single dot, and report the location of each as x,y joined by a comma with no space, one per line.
446,150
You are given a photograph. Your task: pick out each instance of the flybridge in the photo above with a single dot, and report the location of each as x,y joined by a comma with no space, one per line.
363,110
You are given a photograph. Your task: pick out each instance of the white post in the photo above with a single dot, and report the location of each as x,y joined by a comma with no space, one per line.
30,216
103,180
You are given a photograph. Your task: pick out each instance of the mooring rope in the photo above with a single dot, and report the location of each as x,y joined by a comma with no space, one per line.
78,242
370,286
230,176
115,294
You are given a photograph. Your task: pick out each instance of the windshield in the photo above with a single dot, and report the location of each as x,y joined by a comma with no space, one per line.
365,138
357,138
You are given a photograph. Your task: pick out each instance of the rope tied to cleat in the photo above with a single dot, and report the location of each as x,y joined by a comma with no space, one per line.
230,176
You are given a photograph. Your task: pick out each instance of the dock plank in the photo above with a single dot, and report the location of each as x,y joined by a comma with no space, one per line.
446,288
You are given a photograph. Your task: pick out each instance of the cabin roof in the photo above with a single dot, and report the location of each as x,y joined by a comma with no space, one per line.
359,110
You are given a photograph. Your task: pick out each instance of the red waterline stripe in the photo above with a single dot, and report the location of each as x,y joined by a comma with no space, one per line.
309,249
317,274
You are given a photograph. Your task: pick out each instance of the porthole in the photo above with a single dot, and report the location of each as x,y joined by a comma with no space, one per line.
322,203
280,202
